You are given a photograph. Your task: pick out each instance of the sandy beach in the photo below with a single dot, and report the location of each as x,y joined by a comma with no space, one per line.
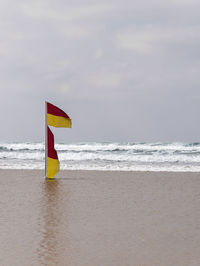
96,218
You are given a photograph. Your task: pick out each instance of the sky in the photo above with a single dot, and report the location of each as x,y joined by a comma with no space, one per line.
125,71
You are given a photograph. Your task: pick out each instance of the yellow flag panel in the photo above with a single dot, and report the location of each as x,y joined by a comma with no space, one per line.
58,121
53,167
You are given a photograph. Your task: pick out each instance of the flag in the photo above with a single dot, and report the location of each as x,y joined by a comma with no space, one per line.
53,164
57,117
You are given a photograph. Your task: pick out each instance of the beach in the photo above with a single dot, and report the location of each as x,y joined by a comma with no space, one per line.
100,218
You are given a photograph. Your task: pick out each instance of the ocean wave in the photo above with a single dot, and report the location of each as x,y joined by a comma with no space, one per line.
114,147
22,147
193,144
105,155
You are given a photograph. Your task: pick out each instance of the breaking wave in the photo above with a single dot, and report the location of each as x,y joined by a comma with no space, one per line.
105,156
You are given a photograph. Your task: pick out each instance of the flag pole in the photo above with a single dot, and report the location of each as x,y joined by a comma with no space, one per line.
46,139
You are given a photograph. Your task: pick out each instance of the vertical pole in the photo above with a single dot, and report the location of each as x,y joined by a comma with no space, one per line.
46,144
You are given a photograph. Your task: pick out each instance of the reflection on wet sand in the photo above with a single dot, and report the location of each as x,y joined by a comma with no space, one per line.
50,251
89,218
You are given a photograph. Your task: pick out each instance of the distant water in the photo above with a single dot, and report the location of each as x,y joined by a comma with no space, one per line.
105,156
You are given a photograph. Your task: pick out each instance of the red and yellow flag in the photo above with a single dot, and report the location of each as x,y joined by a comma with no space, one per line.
57,117
53,164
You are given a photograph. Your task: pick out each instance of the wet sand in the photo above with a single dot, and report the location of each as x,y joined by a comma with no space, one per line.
95,218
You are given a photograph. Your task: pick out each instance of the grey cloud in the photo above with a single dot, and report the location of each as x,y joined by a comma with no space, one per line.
125,71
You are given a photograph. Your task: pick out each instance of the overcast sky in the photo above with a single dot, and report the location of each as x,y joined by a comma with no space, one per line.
123,70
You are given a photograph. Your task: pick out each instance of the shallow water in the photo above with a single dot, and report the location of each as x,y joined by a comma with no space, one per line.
99,218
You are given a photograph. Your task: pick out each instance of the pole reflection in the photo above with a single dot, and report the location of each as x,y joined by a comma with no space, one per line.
50,250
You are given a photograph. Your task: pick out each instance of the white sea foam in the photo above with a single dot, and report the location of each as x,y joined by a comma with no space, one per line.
105,156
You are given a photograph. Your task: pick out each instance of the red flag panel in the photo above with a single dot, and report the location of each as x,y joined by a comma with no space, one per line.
52,153
54,110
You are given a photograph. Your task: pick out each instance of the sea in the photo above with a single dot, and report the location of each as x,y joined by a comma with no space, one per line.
177,157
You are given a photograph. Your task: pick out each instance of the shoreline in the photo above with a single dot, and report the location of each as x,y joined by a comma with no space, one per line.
103,171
